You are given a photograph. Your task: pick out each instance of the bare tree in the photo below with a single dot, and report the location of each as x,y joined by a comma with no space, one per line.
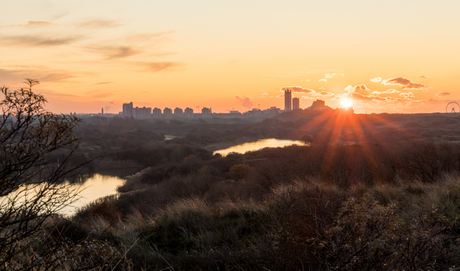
32,174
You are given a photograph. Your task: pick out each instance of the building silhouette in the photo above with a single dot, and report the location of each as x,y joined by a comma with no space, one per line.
295,103
188,113
287,100
318,105
128,110
142,113
178,112
156,113
206,112
167,112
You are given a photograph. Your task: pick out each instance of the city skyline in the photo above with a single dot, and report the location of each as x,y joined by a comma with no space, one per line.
396,57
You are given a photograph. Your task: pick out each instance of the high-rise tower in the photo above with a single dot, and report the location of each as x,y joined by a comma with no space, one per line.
287,100
295,103
128,110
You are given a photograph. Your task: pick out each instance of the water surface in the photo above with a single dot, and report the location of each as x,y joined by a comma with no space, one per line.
260,144
97,186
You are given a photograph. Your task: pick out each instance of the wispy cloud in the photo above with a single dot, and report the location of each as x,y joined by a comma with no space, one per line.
325,93
404,83
376,79
298,89
161,66
42,74
388,91
328,76
361,89
38,40
440,94
407,95
102,83
115,51
245,101
34,24
99,23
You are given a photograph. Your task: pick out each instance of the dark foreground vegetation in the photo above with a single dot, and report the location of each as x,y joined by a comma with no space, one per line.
371,192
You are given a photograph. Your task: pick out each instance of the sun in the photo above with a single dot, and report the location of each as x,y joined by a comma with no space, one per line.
346,102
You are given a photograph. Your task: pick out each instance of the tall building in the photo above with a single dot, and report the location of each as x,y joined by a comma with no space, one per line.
295,103
128,110
188,112
156,113
167,112
206,112
142,113
287,100
178,112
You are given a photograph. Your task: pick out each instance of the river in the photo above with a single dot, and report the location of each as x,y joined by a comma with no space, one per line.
260,144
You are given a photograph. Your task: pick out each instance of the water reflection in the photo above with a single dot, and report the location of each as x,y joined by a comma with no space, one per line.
260,144
93,188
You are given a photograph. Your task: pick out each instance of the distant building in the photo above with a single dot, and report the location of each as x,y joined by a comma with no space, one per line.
156,113
167,112
295,103
128,110
272,111
102,111
206,112
318,105
188,113
235,113
142,113
178,112
253,113
287,100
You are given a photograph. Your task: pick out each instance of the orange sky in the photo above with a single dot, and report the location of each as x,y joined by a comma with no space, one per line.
389,56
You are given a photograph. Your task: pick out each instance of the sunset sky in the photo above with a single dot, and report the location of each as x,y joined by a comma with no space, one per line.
389,56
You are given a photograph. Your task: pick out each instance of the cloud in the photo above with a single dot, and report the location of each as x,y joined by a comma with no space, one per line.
245,101
364,94
425,76
103,83
298,89
161,66
388,91
121,52
37,40
324,93
330,76
99,23
114,51
407,95
143,37
361,89
439,94
376,79
42,74
34,24
403,82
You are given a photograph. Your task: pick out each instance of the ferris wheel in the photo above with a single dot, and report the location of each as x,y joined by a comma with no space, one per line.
453,107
